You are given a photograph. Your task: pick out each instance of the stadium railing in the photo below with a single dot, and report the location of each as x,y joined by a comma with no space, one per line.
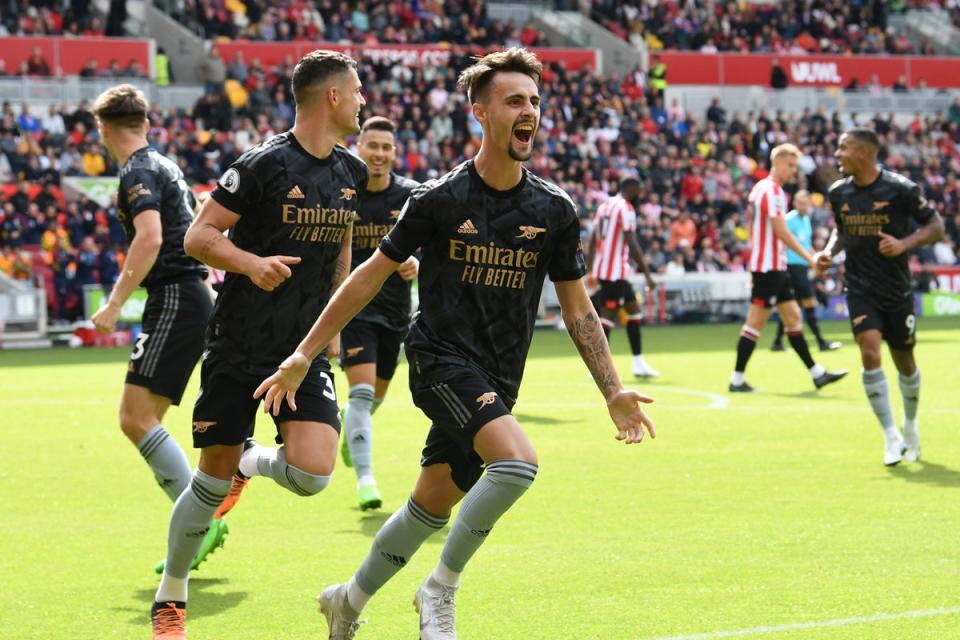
39,93
23,314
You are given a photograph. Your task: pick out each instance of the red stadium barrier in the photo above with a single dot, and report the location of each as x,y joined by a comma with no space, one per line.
70,54
274,53
684,67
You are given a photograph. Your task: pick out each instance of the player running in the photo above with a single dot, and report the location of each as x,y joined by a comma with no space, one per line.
290,203
155,207
490,232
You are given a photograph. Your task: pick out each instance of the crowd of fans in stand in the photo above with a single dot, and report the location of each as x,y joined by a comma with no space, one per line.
49,18
357,21
696,168
787,27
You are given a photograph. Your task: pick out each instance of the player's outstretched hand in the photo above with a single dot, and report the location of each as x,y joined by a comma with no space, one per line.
283,384
268,273
889,246
408,268
629,417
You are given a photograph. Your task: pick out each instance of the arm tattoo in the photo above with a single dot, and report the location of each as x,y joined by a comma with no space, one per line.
587,335
208,245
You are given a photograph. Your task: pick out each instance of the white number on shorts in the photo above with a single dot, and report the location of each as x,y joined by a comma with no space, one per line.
138,347
911,324
328,391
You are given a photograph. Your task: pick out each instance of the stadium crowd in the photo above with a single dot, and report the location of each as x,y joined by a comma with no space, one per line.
791,26
360,21
696,168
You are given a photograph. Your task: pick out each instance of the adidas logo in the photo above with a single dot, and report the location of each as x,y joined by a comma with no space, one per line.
359,438
296,193
397,561
467,227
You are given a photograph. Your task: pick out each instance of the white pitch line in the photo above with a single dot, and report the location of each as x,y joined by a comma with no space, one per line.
841,622
717,400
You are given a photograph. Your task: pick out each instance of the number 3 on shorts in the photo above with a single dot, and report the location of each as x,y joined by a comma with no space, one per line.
138,348
328,391
911,323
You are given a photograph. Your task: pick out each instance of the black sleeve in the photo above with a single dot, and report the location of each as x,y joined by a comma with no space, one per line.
142,189
567,262
239,189
917,206
413,230
834,208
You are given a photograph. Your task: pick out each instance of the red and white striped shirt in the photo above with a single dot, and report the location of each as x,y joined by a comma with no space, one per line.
611,258
767,201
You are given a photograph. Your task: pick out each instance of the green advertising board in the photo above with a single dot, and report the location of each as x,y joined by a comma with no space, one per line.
941,304
132,310
100,190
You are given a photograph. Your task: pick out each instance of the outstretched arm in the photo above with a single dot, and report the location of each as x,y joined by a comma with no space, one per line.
584,328
355,293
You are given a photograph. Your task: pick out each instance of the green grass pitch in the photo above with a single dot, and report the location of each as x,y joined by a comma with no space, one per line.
774,510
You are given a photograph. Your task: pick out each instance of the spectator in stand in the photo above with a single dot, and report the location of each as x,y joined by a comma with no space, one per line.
778,77
214,71
93,161
26,122
37,64
683,231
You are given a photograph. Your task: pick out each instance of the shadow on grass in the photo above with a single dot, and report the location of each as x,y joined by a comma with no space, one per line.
371,522
927,472
202,602
809,394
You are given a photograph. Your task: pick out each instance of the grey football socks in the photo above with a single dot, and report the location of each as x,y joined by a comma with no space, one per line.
359,428
875,385
910,389
503,483
191,517
395,543
166,459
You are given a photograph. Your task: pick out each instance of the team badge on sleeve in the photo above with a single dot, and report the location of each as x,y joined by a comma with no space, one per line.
230,180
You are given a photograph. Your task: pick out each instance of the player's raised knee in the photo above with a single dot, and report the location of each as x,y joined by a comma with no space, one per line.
305,483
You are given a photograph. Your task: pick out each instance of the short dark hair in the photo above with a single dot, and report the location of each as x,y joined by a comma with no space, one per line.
629,181
865,135
378,123
122,106
476,78
316,68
